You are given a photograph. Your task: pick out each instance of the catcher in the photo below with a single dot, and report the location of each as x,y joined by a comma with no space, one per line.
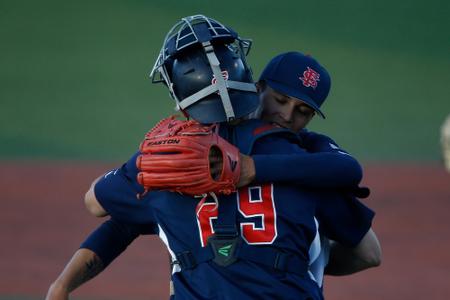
118,188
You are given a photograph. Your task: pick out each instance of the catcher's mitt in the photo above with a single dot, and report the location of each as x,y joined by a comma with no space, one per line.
178,156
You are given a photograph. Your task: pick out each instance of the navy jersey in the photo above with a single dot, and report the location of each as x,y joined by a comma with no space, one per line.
352,217
268,217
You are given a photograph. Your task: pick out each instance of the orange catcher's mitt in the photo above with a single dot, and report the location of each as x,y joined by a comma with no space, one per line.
187,157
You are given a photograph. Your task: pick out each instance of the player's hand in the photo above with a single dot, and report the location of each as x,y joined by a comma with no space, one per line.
247,167
215,163
248,171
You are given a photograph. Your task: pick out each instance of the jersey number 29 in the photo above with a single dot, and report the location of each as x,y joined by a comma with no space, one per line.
252,202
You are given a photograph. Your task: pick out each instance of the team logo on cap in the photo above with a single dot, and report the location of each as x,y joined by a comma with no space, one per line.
224,75
310,78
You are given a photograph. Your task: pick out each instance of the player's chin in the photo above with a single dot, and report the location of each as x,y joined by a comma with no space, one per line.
279,125
272,119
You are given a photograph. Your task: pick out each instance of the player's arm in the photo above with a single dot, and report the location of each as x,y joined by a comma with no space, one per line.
328,167
348,223
101,247
83,266
327,170
343,259
91,202
95,254
346,260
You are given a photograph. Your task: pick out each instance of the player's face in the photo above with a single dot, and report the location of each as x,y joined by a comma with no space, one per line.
285,111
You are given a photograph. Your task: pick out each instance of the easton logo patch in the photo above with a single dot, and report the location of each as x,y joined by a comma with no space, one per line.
163,142
310,78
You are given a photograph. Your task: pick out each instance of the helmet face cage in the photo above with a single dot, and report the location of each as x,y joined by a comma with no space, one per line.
183,35
200,30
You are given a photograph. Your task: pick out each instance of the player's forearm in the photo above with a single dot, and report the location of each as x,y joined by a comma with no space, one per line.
327,170
344,260
83,266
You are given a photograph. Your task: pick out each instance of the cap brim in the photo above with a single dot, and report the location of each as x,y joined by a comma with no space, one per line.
210,110
292,92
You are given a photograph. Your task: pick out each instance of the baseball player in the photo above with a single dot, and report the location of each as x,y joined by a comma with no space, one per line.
287,88
116,192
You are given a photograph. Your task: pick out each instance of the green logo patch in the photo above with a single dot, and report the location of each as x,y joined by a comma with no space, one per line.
225,250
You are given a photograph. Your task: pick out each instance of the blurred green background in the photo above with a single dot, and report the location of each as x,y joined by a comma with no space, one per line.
74,85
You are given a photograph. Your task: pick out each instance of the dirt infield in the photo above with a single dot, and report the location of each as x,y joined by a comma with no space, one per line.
43,222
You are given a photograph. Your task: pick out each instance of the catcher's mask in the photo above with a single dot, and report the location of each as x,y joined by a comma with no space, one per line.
203,64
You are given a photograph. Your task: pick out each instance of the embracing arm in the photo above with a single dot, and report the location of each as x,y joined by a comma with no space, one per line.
101,247
83,266
345,260
347,222
320,163
328,170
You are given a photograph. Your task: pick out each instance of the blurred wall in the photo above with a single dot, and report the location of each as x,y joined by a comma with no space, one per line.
74,75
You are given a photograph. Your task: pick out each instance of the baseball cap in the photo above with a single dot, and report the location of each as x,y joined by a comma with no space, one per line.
300,76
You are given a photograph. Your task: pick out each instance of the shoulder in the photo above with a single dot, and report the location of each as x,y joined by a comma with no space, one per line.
318,142
117,193
249,132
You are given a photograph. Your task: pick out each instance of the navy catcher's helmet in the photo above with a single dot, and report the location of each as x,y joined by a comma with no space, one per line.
203,64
